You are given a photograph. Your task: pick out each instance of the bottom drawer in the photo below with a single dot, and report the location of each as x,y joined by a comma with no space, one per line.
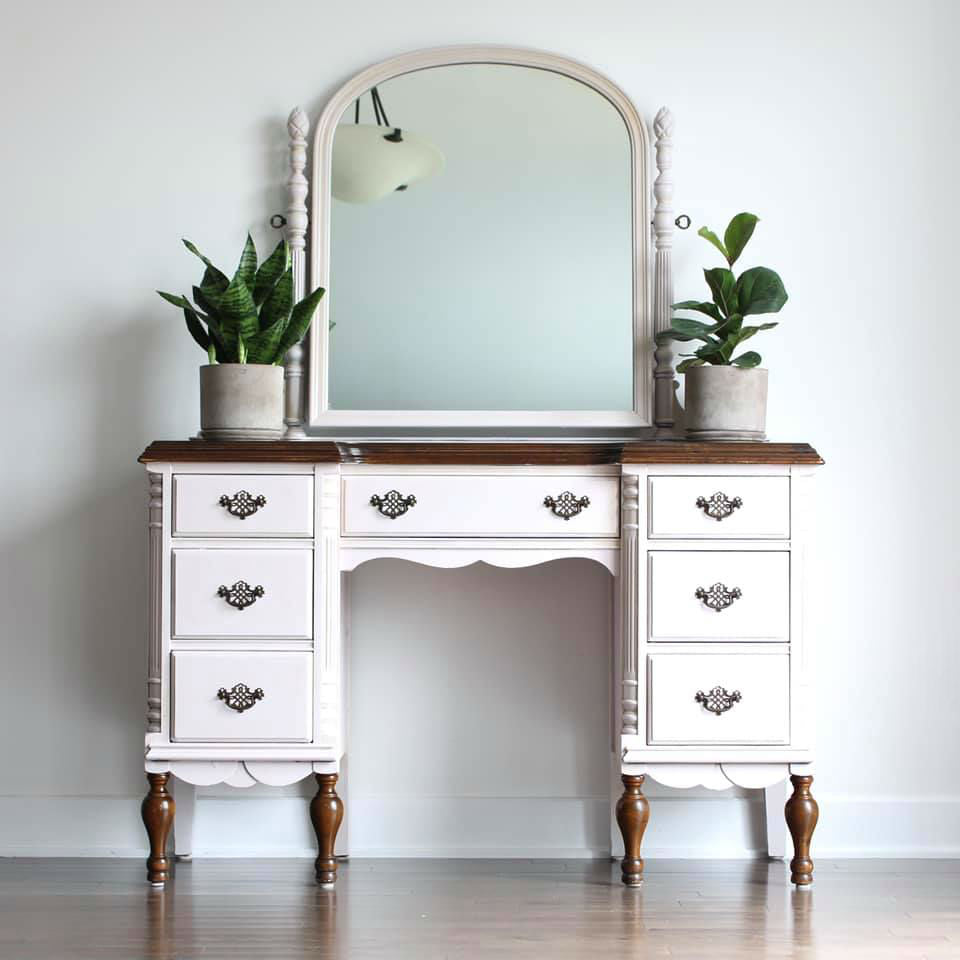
728,698
241,696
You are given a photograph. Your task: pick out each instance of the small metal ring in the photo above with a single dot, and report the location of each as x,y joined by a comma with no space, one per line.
277,221
686,222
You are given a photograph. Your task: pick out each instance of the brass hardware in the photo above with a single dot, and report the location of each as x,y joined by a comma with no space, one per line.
242,504
718,700
718,597
566,505
719,505
239,697
241,594
393,504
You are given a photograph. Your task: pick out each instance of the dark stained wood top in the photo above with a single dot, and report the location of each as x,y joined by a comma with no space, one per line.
241,451
718,452
482,453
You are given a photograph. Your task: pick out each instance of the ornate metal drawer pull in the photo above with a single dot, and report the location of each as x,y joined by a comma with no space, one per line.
242,504
718,597
241,594
239,697
393,504
566,505
719,505
718,700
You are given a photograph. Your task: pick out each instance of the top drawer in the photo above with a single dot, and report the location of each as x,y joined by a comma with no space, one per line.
242,505
719,508
421,505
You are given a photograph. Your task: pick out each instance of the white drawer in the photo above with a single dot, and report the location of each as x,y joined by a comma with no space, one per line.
719,507
751,691
480,506
282,607
746,595
210,704
242,505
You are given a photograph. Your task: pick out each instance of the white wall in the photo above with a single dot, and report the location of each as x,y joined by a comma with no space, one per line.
127,126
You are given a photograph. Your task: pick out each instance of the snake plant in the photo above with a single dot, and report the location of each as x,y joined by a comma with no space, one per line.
758,290
250,318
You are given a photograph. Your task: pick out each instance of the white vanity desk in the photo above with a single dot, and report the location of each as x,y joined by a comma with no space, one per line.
514,290
248,543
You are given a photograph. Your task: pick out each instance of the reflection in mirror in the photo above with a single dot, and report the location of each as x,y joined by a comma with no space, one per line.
481,248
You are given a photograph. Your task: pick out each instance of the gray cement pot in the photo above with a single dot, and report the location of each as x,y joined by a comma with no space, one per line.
241,401
726,403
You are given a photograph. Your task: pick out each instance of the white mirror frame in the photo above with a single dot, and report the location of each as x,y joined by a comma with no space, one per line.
652,406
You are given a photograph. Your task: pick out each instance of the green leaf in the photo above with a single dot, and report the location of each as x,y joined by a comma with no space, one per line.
212,276
247,268
176,300
760,290
238,314
271,270
710,309
747,332
747,360
214,282
685,365
710,349
212,353
708,234
279,302
739,231
207,301
300,321
263,347
723,286
694,328
730,327
196,329
241,350
665,336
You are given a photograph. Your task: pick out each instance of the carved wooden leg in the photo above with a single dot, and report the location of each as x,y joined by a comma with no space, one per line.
801,812
633,812
326,812
157,811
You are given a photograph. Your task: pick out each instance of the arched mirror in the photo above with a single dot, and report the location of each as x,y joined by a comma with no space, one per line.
479,218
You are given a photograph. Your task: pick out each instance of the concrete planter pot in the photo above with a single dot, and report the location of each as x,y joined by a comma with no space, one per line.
726,403
241,401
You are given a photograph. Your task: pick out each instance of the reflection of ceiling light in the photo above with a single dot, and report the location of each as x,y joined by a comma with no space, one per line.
370,162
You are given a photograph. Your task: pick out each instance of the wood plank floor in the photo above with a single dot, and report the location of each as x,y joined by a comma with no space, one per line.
424,909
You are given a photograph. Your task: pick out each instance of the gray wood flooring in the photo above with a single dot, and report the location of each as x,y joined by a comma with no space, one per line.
708,910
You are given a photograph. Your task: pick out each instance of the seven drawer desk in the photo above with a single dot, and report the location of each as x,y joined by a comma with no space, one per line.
248,542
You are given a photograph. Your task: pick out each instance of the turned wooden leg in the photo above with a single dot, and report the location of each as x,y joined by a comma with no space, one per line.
157,811
801,812
326,812
633,812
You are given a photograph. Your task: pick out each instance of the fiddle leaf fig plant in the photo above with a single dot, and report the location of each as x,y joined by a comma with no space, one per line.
758,290
251,317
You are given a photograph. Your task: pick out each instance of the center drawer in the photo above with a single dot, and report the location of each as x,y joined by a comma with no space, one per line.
245,592
719,595
241,696
419,505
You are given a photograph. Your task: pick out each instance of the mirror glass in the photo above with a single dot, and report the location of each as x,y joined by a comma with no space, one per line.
480,245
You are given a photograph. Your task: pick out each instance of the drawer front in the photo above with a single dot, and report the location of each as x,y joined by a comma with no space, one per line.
480,506
210,702
719,595
238,505
210,599
718,508
729,698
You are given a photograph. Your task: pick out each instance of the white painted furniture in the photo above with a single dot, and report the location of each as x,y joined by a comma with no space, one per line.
249,544
247,656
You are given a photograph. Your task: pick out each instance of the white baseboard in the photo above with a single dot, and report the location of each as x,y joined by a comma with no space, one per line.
681,827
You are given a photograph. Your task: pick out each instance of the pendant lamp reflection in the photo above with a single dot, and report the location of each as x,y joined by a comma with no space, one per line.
372,161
